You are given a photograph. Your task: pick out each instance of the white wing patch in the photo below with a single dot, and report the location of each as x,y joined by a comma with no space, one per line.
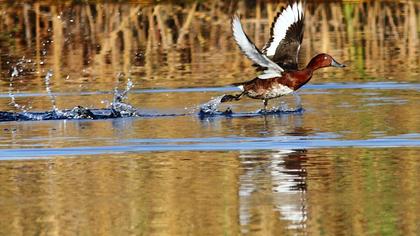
289,16
251,51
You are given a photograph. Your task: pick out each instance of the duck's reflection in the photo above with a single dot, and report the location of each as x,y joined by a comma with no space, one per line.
272,187
273,182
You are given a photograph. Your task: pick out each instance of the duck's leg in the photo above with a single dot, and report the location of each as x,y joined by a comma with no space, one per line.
228,98
265,104
298,103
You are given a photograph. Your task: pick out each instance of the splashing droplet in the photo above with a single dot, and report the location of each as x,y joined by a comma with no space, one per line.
15,73
47,80
118,105
210,107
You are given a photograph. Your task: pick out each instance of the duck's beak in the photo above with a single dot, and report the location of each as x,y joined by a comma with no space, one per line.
334,63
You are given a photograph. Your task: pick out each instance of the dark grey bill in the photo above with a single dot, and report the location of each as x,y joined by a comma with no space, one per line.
336,64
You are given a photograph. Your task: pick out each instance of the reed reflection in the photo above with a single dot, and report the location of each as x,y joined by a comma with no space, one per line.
277,192
172,193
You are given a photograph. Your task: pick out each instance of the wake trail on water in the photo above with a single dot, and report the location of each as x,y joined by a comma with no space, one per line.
115,109
119,108
210,109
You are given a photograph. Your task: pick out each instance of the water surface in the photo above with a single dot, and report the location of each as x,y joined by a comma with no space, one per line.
348,164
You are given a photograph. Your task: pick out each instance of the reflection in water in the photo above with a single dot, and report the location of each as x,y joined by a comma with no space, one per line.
153,194
325,191
273,184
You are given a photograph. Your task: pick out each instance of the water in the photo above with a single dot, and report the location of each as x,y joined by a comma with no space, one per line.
121,130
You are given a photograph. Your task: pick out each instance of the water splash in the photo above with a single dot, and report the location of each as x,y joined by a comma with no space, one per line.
284,107
118,106
47,80
78,112
15,74
210,108
298,101
119,96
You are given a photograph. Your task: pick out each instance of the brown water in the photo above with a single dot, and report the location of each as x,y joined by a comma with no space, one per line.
348,165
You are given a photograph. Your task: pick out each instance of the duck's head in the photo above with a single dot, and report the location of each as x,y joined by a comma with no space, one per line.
324,60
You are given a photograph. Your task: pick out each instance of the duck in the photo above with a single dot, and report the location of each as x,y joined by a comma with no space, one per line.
277,62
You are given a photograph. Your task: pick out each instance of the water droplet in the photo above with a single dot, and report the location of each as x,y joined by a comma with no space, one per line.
47,79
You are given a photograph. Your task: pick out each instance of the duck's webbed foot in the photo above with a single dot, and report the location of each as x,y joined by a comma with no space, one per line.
228,98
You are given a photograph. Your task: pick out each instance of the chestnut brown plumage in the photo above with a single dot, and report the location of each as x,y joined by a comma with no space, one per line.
278,59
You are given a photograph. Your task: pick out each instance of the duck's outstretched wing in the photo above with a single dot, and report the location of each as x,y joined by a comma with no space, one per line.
271,69
286,36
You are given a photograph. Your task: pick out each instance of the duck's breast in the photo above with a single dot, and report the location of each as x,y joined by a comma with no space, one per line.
278,90
266,88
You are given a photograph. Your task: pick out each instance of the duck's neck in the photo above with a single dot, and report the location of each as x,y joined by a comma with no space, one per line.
301,77
314,64
310,68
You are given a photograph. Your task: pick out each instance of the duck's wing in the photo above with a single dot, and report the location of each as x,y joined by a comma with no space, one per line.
271,69
286,36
